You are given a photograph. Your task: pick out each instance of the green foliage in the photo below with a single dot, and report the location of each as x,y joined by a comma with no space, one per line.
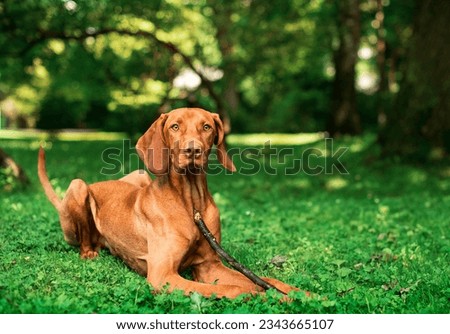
8,181
371,241
55,62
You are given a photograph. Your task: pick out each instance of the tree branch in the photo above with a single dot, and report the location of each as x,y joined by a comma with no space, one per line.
225,256
81,36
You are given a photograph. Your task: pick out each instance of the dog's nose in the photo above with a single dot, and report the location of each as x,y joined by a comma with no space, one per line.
193,149
193,152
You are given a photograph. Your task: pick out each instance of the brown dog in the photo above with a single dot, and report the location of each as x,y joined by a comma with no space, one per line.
150,224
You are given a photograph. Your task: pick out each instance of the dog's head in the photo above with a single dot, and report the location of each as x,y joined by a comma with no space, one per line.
183,139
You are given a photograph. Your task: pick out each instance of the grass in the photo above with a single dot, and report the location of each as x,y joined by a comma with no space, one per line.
374,240
72,135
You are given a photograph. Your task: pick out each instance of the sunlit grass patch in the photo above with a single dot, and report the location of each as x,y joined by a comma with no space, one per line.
260,139
71,135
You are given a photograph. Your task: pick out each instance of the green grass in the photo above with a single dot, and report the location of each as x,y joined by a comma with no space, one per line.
374,240
71,135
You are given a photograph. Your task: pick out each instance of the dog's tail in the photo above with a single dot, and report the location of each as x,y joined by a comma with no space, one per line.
48,189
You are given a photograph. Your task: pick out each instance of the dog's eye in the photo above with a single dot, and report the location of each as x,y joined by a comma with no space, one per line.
175,127
206,127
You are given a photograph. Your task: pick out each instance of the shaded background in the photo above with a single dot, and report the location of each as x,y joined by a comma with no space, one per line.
342,66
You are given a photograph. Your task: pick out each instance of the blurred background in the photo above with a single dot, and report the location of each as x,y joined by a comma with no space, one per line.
341,66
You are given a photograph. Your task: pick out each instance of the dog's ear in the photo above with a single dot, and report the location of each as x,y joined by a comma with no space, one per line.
222,155
152,148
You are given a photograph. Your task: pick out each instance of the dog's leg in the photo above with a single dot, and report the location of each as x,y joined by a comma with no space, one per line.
286,288
215,271
76,220
163,262
175,282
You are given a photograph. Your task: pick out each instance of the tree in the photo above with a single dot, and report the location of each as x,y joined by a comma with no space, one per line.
420,119
122,58
344,117
383,88
392,23
119,54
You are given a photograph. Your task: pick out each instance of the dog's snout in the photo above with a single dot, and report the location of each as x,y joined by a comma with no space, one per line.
193,149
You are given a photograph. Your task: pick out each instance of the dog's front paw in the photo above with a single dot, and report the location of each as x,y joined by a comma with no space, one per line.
89,254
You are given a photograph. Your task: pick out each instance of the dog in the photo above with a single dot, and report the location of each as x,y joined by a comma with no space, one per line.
149,223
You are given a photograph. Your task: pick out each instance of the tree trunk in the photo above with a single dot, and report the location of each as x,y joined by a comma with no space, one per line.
344,115
222,21
383,90
420,119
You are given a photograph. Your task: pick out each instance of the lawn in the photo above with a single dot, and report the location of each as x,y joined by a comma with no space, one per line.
366,236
